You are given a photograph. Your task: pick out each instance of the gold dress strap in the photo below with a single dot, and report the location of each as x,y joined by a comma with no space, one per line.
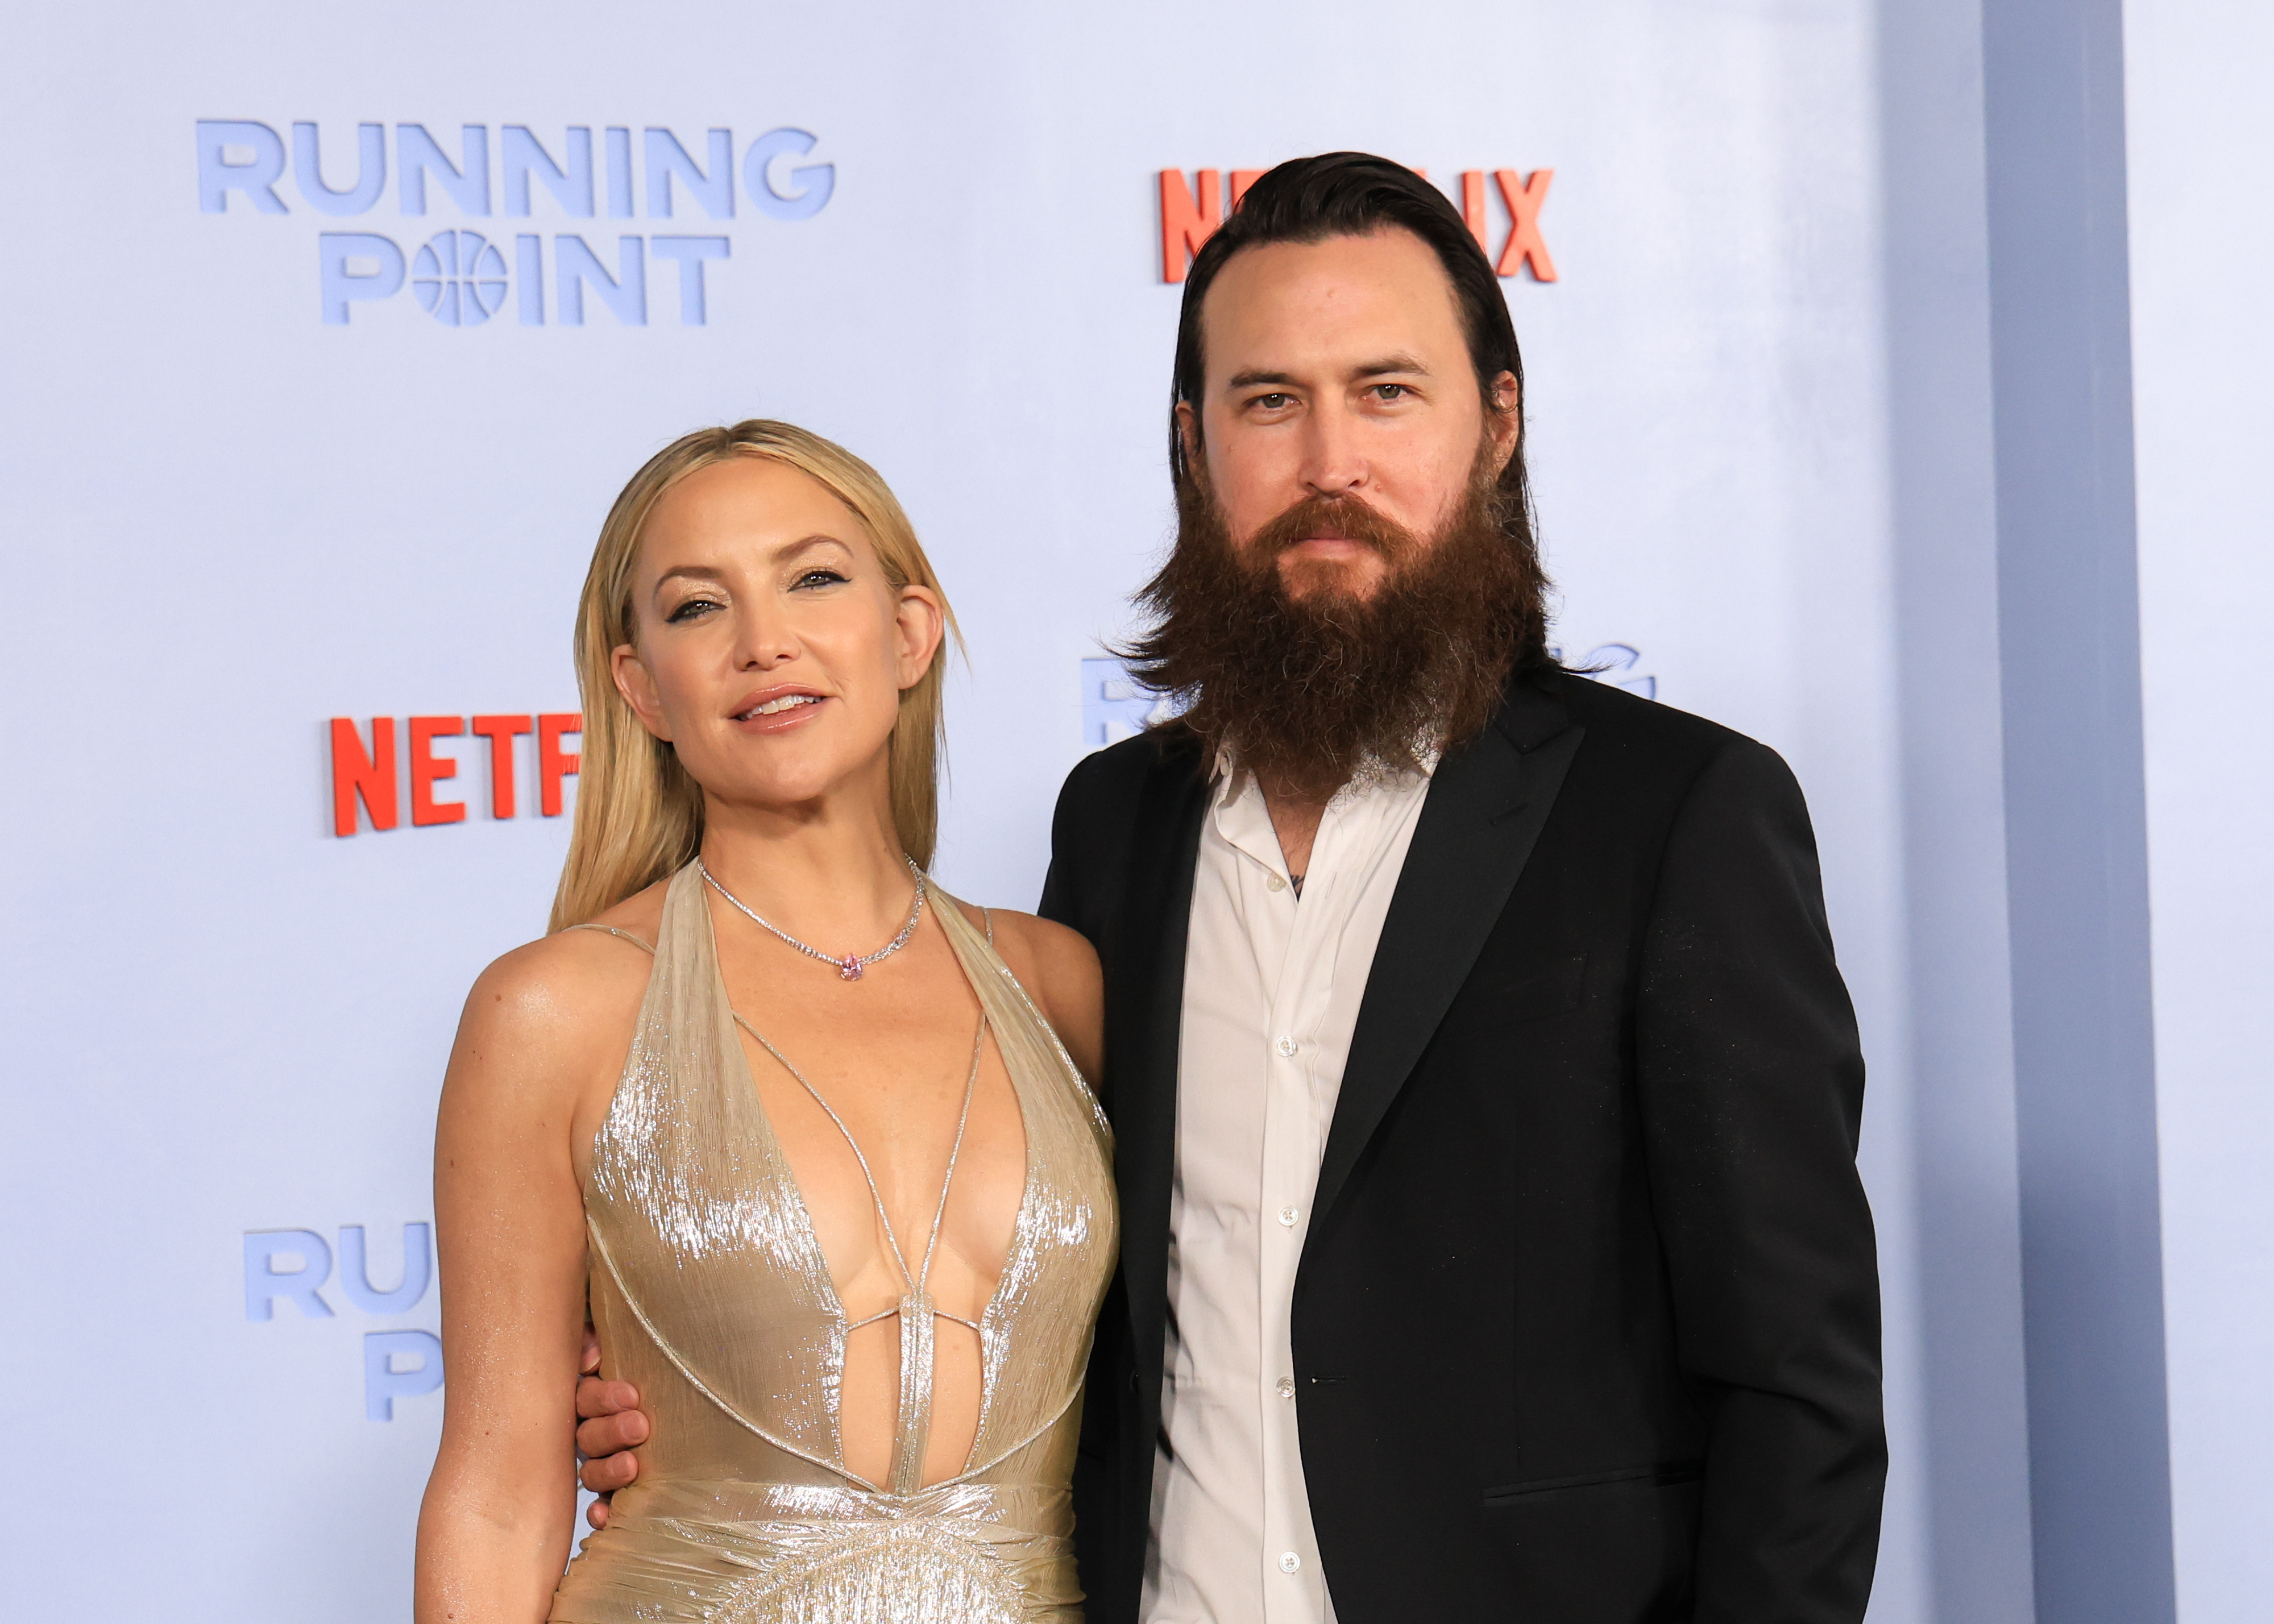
644,946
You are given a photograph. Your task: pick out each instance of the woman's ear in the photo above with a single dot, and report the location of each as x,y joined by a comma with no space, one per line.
921,622
637,687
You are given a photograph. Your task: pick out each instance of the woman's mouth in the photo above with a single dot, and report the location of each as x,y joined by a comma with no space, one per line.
775,710
776,707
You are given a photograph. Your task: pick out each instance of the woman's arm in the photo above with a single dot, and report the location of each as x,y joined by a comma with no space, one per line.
495,1529
1060,972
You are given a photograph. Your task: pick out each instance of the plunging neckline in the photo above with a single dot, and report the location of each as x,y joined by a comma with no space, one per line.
809,1236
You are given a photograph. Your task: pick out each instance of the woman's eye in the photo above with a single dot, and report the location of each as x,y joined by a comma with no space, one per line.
689,610
820,577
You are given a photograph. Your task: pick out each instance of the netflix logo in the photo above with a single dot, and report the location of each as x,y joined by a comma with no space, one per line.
375,774
1191,212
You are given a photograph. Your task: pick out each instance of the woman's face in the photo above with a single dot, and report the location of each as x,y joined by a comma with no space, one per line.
772,650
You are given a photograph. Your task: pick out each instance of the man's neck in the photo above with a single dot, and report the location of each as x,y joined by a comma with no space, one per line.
1295,820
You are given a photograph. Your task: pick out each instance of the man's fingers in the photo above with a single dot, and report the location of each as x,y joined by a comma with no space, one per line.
609,1424
608,1473
595,1397
605,1435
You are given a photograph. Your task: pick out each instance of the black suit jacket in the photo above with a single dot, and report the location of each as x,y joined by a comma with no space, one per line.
1586,1325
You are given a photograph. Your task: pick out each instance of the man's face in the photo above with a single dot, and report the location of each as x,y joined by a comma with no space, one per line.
1336,374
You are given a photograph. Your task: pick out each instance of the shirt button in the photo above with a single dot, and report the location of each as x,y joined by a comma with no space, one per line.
1274,882
1289,1561
1288,1214
1286,1387
1287,1047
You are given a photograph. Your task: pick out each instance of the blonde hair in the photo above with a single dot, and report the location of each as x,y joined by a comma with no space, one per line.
639,814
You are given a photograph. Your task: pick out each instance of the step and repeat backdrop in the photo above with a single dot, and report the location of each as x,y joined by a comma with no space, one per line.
331,331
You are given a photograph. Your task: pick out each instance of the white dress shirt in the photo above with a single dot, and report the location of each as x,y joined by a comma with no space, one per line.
1272,987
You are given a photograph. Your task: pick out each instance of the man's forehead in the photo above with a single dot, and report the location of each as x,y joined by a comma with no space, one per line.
1349,304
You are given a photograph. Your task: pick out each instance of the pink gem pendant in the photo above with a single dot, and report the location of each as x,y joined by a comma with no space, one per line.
849,968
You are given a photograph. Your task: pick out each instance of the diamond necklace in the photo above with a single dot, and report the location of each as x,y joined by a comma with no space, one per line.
850,966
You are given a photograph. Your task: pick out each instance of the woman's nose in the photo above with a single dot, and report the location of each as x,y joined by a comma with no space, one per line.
766,641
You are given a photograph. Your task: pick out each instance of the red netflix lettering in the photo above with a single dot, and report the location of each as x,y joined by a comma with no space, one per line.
426,767
1190,214
1472,206
371,777
1523,198
554,764
502,731
1186,222
356,774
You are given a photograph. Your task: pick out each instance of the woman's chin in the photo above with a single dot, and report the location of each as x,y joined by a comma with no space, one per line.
805,788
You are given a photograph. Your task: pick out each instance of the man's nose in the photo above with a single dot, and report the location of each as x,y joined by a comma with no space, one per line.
1334,463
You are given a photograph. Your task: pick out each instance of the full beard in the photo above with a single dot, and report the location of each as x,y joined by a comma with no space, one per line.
1313,692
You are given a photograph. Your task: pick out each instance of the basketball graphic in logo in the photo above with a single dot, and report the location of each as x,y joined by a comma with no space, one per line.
459,278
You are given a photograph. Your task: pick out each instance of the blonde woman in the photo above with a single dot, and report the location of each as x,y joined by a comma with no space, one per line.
810,1137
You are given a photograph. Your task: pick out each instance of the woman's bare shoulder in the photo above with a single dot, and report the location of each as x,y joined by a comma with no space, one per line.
1051,947
552,997
1060,970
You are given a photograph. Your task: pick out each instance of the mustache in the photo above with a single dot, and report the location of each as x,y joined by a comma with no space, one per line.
1349,517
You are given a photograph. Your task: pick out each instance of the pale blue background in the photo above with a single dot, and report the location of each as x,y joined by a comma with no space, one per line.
1765,403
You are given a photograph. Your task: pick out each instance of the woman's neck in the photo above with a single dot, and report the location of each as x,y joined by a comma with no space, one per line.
833,876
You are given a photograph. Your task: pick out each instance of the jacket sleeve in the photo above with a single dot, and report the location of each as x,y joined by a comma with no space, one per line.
1089,836
1066,883
1062,882
1752,1085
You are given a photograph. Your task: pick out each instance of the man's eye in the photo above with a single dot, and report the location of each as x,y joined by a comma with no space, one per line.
1272,403
689,610
1391,391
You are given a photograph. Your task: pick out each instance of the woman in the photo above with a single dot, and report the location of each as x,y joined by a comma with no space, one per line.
803,1125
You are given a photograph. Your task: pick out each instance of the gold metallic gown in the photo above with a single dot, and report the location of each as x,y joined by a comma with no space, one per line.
710,1294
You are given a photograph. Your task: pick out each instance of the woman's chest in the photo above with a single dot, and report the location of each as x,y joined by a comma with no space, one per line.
909,1159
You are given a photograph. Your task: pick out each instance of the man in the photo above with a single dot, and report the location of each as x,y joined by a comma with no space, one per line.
1485,1091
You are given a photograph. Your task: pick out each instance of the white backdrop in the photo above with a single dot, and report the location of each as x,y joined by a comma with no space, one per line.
231,520
2202,171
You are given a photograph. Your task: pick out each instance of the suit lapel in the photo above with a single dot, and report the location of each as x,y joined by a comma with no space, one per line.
1144,1026
1487,803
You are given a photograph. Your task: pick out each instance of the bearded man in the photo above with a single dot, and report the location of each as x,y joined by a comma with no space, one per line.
1484,1091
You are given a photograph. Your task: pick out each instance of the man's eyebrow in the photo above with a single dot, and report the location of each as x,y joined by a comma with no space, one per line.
1388,364
1381,367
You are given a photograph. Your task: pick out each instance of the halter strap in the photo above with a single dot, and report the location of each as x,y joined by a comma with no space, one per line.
645,945
915,1311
